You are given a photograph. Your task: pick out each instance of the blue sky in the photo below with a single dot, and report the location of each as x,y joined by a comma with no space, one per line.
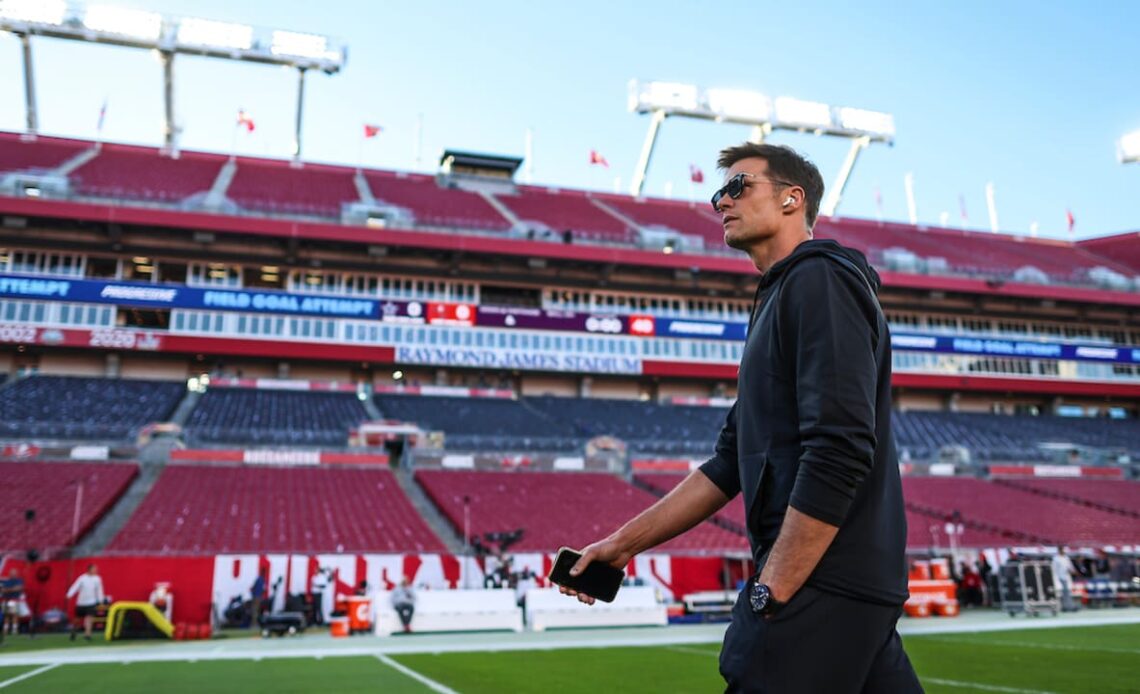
1029,95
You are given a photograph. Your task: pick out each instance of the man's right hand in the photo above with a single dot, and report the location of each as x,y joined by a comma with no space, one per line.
608,551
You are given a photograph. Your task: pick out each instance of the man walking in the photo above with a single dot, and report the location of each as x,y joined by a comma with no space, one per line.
88,593
809,444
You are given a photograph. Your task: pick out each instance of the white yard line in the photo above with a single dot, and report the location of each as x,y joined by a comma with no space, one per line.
26,675
422,679
983,687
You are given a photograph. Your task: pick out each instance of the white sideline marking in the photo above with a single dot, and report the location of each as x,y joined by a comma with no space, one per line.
695,651
1048,646
1027,644
984,687
426,681
26,675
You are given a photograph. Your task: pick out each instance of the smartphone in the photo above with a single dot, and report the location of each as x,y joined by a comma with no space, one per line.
600,581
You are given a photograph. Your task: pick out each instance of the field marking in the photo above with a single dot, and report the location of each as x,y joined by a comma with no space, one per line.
697,651
1048,646
983,687
26,675
422,679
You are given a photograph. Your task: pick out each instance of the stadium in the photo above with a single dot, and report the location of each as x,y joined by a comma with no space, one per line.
259,393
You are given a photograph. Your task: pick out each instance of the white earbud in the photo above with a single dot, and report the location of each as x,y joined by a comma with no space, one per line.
789,201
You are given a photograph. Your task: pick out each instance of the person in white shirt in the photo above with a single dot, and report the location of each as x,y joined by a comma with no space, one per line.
1063,571
88,593
404,602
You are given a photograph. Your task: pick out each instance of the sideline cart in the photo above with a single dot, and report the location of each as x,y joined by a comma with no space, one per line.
1027,586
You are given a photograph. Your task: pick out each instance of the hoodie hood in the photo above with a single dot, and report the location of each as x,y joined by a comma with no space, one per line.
813,247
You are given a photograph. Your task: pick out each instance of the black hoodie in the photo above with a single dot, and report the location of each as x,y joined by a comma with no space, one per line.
811,426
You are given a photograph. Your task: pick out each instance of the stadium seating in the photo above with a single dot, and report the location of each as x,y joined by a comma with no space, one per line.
137,173
556,509
434,205
71,407
1122,249
572,210
648,427
967,252
38,155
275,186
482,423
695,219
1111,495
279,417
50,489
207,510
1033,517
731,516
1008,437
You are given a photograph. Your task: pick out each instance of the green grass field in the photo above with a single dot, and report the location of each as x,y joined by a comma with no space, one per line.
1105,660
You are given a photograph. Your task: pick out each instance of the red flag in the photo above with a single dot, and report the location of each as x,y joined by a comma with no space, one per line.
372,130
695,174
1070,219
598,159
246,120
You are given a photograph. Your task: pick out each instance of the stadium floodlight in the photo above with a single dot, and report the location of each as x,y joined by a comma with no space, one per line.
51,12
1128,149
765,114
124,22
207,32
868,121
303,45
668,96
168,36
739,105
794,113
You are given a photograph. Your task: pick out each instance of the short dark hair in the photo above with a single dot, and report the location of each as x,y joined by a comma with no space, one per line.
785,164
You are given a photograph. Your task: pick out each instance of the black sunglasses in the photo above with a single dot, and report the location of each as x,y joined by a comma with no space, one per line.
734,188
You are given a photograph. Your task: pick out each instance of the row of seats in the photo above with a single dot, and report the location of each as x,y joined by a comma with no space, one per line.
279,417
73,407
212,509
68,407
198,509
1009,437
1037,517
51,492
274,186
555,509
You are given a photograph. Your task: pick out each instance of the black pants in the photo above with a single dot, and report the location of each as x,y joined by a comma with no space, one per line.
405,611
818,642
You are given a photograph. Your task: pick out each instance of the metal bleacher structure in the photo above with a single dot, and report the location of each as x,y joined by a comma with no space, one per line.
207,509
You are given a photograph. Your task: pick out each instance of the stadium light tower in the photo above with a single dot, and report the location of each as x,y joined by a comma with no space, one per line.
1128,149
764,114
168,36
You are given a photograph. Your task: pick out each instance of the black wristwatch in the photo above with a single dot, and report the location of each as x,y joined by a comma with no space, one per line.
761,601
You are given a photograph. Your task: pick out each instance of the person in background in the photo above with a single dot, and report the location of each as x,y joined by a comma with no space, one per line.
404,602
12,596
1063,571
320,584
162,599
256,594
88,593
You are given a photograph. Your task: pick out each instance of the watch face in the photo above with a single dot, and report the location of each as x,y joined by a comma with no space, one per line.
758,597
